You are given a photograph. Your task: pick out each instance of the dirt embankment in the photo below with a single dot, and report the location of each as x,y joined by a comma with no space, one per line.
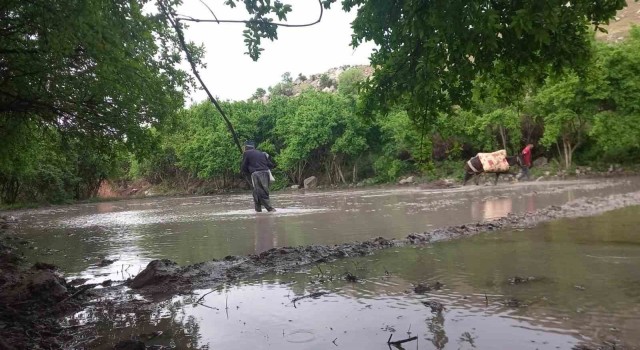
166,277
32,298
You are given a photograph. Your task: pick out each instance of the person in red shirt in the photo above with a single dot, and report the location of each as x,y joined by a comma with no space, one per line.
526,161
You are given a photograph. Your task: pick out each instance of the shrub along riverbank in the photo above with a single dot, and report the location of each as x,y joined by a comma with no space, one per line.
578,120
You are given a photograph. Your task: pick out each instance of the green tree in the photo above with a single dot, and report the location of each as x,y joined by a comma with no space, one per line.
349,81
351,142
77,81
100,68
259,94
430,52
616,127
284,87
41,165
491,122
567,106
325,81
402,145
18,157
316,130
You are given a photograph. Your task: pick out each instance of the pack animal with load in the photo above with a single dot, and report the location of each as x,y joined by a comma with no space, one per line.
495,163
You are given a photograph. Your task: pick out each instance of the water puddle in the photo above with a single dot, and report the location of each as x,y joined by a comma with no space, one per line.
567,282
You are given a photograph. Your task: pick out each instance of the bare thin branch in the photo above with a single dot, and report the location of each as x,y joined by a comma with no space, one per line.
210,10
194,69
278,24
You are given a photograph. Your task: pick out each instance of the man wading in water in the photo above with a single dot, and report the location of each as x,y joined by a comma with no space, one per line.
257,164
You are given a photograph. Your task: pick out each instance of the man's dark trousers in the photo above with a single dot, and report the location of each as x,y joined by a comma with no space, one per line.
260,181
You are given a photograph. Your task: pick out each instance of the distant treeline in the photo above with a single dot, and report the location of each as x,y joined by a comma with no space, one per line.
583,117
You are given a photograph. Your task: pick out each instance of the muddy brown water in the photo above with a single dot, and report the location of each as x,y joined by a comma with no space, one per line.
585,290
194,229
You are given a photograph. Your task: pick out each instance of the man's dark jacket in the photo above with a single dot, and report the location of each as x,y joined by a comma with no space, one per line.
254,160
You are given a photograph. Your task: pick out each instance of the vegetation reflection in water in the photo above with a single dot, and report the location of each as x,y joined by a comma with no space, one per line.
584,290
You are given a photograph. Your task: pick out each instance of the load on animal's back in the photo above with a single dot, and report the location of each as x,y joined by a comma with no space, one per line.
495,162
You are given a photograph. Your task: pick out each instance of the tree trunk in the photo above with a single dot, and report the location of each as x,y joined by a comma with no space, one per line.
10,191
568,152
335,164
328,171
300,172
503,136
94,187
340,173
187,179
355,172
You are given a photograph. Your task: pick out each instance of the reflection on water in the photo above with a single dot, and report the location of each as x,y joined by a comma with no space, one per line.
265,237
492,209
584,290
195,229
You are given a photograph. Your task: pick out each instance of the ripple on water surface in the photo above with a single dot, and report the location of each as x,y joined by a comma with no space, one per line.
194,229
551,287
158,216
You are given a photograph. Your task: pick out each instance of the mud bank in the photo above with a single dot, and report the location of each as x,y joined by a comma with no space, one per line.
32,298
166,277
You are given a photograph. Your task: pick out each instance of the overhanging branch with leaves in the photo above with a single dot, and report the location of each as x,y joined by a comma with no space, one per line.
265,26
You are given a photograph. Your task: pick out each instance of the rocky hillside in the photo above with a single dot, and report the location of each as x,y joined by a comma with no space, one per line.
619,27
327,81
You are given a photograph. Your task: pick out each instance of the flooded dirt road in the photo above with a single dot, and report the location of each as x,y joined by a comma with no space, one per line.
189,230
558,285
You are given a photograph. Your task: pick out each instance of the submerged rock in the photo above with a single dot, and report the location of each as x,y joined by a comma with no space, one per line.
421,288
78,281
436,307
514,303
349,277
521,280
106,262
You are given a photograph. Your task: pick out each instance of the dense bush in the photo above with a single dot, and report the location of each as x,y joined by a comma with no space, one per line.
585,117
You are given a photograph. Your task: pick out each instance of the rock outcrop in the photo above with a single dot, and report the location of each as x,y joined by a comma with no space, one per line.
311,182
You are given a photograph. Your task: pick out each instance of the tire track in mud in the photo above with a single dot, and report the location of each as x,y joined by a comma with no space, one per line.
166,277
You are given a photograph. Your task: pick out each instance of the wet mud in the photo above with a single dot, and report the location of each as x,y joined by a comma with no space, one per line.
166,277
33,298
